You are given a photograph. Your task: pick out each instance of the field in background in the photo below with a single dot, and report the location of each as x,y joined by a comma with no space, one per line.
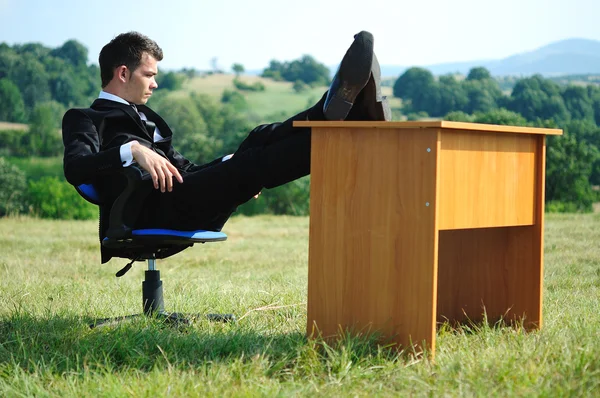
13,126
278,97
52,284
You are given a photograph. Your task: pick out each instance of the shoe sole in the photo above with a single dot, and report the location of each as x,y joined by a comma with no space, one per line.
356,66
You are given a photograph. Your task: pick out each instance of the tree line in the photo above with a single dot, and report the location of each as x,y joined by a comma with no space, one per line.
37,84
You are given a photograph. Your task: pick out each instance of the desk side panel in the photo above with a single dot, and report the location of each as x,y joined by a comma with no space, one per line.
373,242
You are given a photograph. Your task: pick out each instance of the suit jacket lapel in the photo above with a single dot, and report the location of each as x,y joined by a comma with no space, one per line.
102,103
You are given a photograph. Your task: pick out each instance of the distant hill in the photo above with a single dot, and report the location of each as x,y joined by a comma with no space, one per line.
565,57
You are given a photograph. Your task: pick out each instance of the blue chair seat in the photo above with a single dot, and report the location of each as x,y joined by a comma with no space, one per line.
196,236
153,238
158,236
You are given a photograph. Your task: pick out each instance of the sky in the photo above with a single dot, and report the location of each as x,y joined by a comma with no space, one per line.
407,33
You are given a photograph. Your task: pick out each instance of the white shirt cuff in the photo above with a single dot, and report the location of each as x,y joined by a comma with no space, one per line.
226,157
126,155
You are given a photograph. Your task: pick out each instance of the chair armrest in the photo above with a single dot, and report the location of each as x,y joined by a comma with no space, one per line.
126,208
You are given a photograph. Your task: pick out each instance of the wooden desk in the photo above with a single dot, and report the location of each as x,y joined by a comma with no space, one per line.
413,223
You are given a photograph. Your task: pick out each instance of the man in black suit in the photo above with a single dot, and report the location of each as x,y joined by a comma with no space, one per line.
119,129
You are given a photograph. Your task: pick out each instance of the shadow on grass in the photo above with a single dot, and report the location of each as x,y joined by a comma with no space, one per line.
66,344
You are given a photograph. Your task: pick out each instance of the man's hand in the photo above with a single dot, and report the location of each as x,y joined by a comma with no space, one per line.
160,169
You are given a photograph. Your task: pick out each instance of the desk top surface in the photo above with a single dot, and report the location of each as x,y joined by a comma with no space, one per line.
442,124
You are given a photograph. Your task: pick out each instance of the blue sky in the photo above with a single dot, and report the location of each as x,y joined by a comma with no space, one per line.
417,32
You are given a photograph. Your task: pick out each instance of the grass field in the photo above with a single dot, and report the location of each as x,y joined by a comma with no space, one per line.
51,285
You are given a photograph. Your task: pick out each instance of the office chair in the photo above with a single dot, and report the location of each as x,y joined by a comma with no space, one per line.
146,245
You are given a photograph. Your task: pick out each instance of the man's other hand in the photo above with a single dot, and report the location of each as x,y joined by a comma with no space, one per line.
160,169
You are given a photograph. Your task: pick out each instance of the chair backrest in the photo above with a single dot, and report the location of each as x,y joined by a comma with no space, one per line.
89,193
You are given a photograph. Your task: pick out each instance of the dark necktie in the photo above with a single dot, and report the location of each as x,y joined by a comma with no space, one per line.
150,126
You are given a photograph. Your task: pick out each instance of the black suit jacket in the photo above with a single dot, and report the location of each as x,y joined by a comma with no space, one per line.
92,138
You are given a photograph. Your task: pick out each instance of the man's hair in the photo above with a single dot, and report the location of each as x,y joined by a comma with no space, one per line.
126,49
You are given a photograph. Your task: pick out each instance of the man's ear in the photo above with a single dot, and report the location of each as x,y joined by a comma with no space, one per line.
122,73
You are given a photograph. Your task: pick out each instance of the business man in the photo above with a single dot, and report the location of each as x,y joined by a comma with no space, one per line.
119,129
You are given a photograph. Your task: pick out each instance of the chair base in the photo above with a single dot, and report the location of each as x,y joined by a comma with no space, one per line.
169,318
154,306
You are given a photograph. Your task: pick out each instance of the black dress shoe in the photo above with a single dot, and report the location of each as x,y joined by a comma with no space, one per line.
352,76
370,104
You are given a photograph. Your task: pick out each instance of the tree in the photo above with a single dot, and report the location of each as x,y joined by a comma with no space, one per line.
13,186
234,98
73,52
64,89
273,71
238,69
8,58
568,170
42,74
418,86
305,69
225,124
12,108
479,73
299,86
578,103
43,138
537,98
482,95
594,95
588,132
500,116
30,76
308,70
170,81
190,131
453,96
459,116
36,50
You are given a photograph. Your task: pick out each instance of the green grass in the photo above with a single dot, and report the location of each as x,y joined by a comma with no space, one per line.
51,285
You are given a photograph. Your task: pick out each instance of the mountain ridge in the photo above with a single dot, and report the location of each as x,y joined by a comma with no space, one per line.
571,56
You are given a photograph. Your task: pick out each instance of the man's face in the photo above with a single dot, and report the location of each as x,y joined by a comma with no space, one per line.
141,82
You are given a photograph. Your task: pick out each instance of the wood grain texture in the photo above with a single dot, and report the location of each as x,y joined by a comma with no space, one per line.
373,245
486,179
